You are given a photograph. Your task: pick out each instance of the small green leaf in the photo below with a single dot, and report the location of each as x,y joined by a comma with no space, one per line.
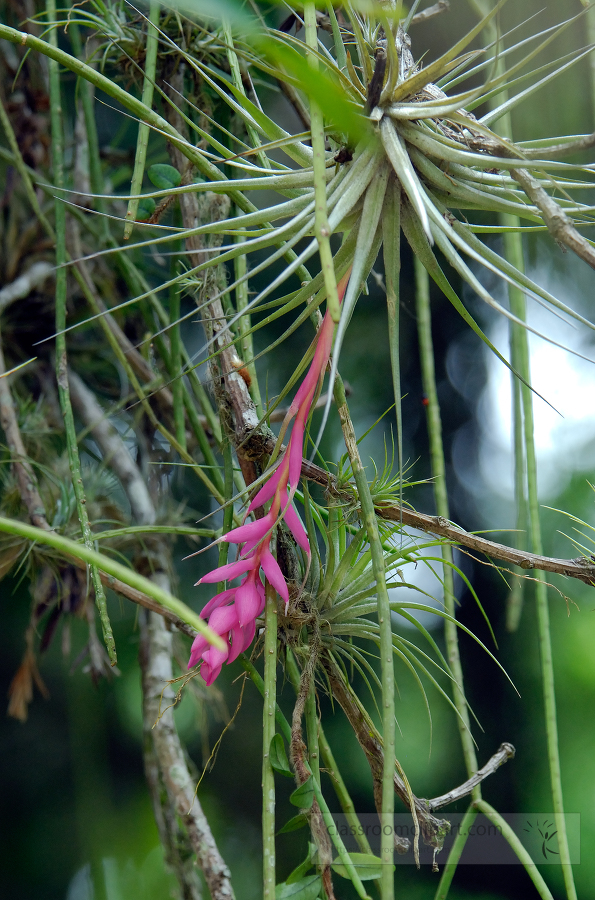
366,865
146,208
294,824
304,795
305,889
278,757
304,867
164,176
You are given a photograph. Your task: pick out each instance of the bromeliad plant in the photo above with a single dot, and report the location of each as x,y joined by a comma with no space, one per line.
389,146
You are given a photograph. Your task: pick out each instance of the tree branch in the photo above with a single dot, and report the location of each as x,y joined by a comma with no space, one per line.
115,452
560,226
502,755
163,752
156,668
580,568
25,284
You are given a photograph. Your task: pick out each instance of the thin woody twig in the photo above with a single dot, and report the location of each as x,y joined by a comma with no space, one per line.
503,754
560,226
580,568
114,449
433,830
430,12
22,286
585,143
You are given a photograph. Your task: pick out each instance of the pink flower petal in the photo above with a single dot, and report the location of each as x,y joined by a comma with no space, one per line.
223,619
253,531
268,490
295,449
210,673
318,364
274,574
294,523
237,644
247,603
213,656
199,645
229,571
217,600
249,632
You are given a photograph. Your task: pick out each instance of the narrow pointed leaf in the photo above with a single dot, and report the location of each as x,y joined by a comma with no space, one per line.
306,889
366,865
278,758
303,796
294,824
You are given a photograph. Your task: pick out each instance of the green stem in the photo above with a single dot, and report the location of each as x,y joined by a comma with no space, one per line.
327,756
521,852
228,511
340,847
590,39
142,141
244,328
521,361
61,357
294,677
426,350
341,791
455,854
71,549
87,94
321,225
142,396
236,74
391,234
268,732
513,251
176,363
368,516
312,733
256,678
543,619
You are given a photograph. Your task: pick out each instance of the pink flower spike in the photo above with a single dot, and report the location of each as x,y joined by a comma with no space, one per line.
269,489
253,531
317,366
217,600
248,604
295,458
229,571
294,523
274,574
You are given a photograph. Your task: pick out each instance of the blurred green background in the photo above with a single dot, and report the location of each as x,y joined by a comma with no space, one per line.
76,820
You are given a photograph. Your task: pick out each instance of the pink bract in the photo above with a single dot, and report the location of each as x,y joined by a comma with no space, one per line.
233,612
